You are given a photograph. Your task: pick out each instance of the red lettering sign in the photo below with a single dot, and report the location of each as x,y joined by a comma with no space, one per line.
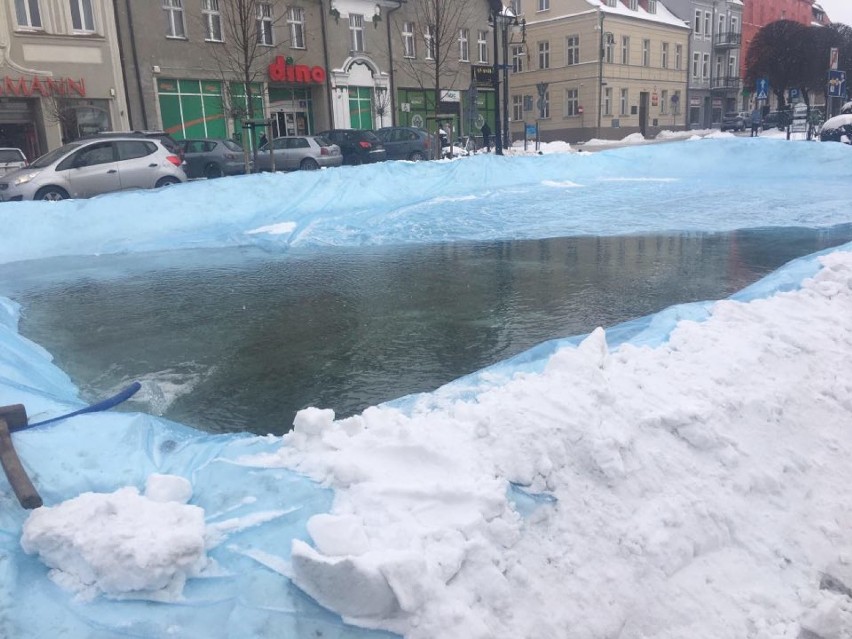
280,71
23,87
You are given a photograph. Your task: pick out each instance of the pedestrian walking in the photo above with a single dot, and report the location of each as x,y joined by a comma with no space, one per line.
486,136
755,121
262,142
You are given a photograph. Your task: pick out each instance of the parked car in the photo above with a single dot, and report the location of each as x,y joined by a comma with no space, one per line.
90,167
776,119
406,143
167,140
356,146
298,152
837,129
212,157
733,122
11,159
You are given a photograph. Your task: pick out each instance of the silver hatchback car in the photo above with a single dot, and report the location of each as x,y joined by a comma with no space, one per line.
91,167
303,152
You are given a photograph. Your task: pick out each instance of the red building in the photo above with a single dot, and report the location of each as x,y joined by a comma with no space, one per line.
759,13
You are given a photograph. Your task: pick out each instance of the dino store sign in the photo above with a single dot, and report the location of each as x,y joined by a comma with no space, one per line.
45,87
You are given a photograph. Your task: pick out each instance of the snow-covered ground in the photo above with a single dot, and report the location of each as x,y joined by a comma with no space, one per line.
690,480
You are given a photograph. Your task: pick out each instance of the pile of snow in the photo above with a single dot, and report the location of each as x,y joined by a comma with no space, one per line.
691,480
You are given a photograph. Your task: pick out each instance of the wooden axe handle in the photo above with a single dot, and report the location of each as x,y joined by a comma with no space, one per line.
15,473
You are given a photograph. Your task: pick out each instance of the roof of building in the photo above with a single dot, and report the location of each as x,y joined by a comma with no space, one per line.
662,15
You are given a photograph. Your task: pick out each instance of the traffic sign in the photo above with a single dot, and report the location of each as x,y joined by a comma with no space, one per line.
837,84
762,89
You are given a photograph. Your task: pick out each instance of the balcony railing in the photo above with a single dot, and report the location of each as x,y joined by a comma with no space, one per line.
728,40
726,82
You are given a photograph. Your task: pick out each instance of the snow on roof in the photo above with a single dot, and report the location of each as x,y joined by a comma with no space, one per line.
663,15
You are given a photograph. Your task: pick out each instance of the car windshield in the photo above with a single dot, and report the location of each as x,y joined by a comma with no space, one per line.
11,155
50,157
232,146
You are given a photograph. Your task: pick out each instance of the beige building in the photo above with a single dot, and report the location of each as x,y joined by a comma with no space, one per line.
61,76
598,69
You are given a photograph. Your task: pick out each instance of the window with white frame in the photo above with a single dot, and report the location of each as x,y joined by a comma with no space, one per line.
678,56
212,20
296,23
625,50
543,5
718,66
734,25
707,27
664,55
464,45
646,53
696,64
607,101
732,66
517,108
517,58
482,46
623,104
264,24
82,17
544,55
429,39
356,32
572,50
633,4
652,6
408,47
545,105
609,48
516,7
572,103
705,66
721,26
28,14
697,25
174,18
664,101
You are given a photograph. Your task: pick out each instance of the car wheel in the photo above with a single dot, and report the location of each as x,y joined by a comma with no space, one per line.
308,164
51,194
166,181
416,156
212,171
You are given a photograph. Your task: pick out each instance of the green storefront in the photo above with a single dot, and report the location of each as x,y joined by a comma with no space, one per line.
196,108
416,107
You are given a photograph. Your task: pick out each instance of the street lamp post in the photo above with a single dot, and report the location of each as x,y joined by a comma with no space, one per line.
495,80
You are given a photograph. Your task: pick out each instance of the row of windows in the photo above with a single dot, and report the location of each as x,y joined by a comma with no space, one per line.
701,66
572,53
212,18
571,104
702,24
409,43
28,15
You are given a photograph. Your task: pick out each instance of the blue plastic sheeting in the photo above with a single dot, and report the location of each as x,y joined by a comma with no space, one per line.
492,198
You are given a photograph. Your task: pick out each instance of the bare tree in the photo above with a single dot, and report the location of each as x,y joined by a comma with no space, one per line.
439,23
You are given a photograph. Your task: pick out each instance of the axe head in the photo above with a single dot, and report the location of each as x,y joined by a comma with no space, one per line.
15,416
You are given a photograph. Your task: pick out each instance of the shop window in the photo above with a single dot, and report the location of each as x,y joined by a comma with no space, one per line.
82,18
28,14
212,20
296,22
173,10
264,24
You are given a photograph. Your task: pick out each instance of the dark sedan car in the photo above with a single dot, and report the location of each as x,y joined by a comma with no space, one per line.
356,146
406,143
212,157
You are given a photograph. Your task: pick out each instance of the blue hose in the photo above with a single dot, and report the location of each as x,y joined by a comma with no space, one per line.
105,404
